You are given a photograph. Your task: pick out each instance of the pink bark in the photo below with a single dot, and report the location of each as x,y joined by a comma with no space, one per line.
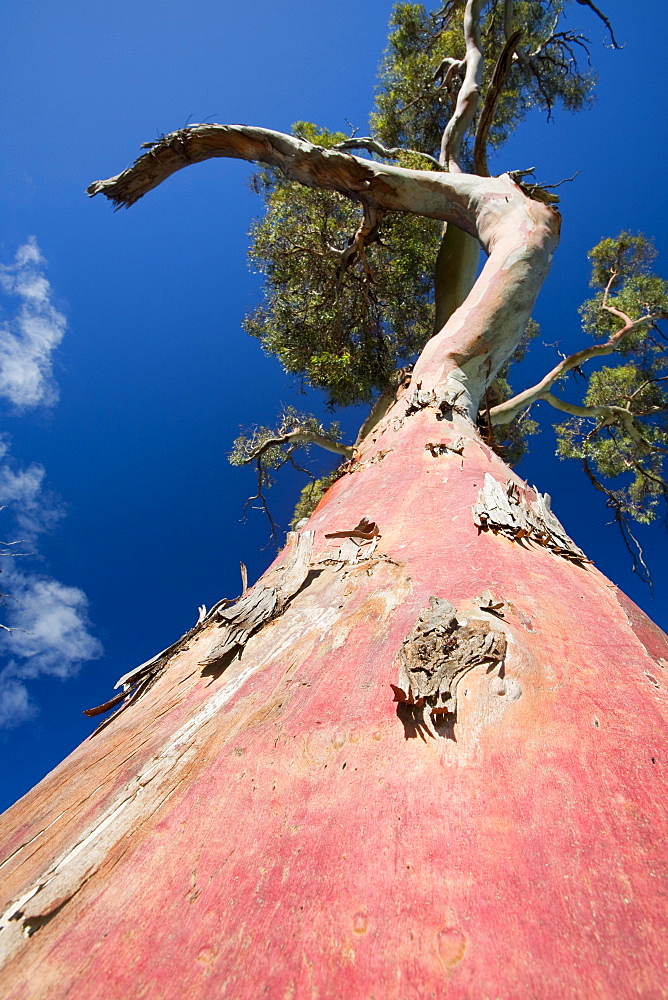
301,841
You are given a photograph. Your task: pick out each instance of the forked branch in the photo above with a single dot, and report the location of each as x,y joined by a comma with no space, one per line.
506,412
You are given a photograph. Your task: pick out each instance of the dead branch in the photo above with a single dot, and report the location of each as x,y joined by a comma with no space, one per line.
602,17
384,187
633,546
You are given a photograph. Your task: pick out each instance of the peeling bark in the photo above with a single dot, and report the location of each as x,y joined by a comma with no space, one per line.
267,825
508,510
239,832
435,655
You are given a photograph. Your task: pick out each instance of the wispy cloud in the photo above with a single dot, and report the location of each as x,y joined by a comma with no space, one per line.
22,490
47,620
15,704
50,636
29,338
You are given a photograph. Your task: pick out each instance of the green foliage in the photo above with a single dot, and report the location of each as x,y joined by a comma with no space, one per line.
344,318
343,312
622,444
622,271
632,476
311,495
348,300
416,99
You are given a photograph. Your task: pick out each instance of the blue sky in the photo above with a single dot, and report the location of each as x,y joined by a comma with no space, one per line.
124,372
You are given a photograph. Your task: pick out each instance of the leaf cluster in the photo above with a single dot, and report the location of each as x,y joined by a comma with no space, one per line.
622,273
345,318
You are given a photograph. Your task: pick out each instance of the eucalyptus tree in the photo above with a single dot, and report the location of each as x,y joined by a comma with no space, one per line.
418,757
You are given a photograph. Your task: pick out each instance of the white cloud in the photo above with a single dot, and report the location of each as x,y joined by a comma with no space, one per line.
51,623
22,490
15,705
29,338
48,619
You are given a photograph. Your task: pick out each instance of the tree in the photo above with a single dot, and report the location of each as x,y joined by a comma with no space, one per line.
493,830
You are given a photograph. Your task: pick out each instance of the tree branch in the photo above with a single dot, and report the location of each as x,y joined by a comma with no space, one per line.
501,70
632,544
373,146
608,413
504,413
601,15
298,437
469,92
382,186
519,234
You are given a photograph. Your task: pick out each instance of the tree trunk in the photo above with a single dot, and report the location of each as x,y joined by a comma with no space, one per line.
274,823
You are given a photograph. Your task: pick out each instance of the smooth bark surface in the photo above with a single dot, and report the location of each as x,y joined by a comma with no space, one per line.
275,824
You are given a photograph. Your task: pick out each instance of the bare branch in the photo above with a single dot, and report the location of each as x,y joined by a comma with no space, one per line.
518,233
366,233
373,146
606,22
449,198
260,497
632,544
504,413
566,180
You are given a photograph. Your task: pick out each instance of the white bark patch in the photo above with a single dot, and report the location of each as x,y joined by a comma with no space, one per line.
504,509
142,796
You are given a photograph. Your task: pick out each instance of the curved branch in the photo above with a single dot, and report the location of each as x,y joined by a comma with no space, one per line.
381,186
504,413
608,413
606,22
373,146
519,234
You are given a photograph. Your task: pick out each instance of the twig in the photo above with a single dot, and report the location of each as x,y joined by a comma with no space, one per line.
632,544
373,146
606,22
